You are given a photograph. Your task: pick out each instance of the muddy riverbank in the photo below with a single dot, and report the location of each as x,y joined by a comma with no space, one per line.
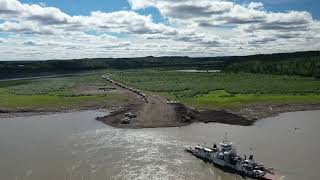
264,110
25,112
153,111
178,115
155,115
157,112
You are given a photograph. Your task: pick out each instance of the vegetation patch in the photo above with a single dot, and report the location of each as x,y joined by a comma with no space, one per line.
223,89
223,99
54,93
54,86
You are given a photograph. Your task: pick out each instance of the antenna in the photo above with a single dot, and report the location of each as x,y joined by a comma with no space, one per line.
226,137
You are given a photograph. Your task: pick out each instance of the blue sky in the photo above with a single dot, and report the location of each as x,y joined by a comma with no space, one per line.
63,29
84,7
311,6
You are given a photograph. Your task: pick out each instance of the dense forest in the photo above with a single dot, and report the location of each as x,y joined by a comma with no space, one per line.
35,68
298,63
302,64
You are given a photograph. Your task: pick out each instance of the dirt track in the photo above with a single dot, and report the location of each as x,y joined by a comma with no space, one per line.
156,112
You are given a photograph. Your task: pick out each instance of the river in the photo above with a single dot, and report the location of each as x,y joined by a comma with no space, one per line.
73,146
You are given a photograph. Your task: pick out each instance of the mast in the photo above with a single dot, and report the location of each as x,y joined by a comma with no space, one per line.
226,137
225,145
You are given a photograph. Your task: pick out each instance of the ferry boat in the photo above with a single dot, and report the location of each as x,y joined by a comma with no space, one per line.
226,158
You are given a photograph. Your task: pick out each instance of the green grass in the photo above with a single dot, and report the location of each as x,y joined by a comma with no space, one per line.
223,99
53,93
223,89
13,101
190,84
210,90
55,86
5,84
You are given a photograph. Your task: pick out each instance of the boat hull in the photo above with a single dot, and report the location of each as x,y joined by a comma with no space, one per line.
268,176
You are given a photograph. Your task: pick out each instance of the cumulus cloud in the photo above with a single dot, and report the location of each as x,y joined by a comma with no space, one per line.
193,9
25,18
256,5
189,27
250,18
219,12
13,9
242,15
291,21
124,21
25,27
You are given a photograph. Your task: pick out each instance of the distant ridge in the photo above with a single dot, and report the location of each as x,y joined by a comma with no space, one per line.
26,68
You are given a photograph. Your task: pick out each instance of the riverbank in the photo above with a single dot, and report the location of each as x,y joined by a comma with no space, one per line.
175,115
155,109
156,113
236,99
180,115
8,113
264,110
28,97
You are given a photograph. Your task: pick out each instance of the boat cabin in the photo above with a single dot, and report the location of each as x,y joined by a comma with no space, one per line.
226,146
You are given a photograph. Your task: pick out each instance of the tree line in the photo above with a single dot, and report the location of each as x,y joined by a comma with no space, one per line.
298,63
302,64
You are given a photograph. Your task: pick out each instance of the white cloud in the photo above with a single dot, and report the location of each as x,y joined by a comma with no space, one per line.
256,5
123,21
193,27
22,16
13,9
141,4
25,27
285,22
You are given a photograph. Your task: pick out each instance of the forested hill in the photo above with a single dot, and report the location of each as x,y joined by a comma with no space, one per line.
16,68
299,63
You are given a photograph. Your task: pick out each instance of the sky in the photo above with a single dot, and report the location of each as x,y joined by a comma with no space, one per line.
68,29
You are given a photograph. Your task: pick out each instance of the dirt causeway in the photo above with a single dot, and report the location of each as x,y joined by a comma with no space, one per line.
155,111
152,110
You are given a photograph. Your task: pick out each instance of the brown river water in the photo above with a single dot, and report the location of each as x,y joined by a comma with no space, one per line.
73,146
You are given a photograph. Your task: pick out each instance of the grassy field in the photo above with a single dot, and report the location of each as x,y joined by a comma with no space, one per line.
54,86
210,90
53,93
223,89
